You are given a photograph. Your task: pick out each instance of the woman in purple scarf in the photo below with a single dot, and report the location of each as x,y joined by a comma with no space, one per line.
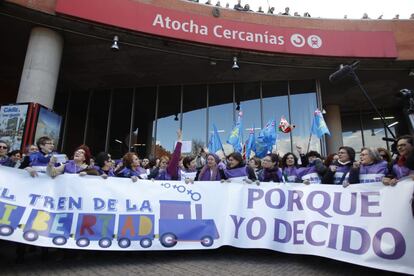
211,170
237,169
290,170
371,168
271,171
338,172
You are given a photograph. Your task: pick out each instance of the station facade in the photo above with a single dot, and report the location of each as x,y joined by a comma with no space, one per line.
126,74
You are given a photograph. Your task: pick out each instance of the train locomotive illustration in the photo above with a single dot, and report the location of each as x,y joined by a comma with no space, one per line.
175,224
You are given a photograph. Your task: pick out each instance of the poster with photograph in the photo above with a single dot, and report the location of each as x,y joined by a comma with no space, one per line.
48,124
12,124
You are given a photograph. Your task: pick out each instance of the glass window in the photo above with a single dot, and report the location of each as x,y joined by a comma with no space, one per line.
351,131
194,114
221,109
248,97
303,103
374,129
169,106
60,107
144,115
76,121
120,122
98,121
276,105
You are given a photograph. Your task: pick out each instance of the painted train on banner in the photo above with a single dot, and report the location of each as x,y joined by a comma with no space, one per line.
175,224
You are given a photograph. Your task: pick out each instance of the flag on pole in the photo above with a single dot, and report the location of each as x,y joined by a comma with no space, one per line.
250,144
266,139
319,127
235,138
215,144
284,125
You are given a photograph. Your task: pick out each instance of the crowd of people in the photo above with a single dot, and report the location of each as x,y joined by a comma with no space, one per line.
271,10
341,168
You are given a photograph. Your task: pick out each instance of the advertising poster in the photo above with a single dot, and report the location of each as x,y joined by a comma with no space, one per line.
12,124
48,124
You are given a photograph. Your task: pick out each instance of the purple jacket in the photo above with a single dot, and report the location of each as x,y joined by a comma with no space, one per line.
71,167
172,172
267,175
4,160
400,171
240,171
291,174
127,172
369,173
39,159
206,175
101,171
309,173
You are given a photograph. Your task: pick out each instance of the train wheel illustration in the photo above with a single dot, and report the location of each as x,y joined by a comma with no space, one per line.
207,241
83,242
30,235
168,240
124,243
6,230
105,242
59,240
145,243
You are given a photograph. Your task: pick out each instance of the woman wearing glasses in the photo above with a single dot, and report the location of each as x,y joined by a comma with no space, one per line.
338,172
237,169
371,168
78,165
38,161
3,152
270,171
402,166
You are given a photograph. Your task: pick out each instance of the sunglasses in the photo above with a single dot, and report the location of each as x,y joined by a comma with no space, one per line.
3,147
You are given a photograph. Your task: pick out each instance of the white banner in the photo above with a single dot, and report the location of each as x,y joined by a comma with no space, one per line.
366,224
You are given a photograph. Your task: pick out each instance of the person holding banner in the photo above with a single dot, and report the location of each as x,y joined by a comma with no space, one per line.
312,169
38,161
131,167
103,165
371,168
338,173
237,169
78,165
189,170
400,167
256,164
290,169
211,170
169,169
271,171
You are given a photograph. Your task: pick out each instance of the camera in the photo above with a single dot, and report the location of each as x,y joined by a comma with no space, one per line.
406,93
408,96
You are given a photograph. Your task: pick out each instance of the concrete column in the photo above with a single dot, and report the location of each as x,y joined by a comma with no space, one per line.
41,67
333,120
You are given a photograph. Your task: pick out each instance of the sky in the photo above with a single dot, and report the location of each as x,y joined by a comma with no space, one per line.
354,9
